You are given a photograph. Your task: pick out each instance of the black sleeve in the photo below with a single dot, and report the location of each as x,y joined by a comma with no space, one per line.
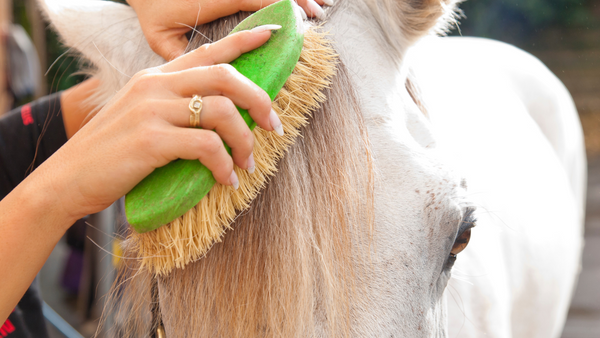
28,136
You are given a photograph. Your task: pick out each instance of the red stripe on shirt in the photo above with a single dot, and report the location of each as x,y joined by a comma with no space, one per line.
26,115
7,328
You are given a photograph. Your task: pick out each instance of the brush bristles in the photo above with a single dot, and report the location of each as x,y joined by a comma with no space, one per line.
189,237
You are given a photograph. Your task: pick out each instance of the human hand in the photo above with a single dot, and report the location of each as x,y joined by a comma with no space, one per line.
145,126
165,22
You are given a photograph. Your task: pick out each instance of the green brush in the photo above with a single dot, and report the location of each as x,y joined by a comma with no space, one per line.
170,191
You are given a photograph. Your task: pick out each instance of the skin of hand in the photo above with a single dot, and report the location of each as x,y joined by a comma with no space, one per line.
165,22
145,126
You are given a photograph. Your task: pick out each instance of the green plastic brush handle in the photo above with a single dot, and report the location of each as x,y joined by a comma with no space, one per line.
170,191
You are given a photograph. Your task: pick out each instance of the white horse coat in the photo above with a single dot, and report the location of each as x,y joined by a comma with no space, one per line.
500,133
512,128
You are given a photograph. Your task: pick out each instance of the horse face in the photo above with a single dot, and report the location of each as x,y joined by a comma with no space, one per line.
421,218
421,213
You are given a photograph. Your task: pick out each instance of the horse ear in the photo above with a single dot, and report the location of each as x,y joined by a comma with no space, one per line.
406,21
106,34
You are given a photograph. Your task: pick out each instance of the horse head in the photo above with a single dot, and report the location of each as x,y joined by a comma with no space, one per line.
357,233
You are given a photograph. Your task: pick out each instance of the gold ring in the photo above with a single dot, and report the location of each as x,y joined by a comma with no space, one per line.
195,109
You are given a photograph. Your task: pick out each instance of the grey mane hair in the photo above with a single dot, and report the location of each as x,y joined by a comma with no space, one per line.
291,262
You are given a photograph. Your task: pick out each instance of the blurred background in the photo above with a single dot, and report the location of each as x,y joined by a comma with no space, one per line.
564,34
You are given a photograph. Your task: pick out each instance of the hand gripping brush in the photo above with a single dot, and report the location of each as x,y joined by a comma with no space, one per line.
179,211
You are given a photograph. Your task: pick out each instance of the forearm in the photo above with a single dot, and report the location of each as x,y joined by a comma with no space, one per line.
75,111
32,221
34,215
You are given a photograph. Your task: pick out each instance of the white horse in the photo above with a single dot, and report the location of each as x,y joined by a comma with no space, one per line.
453,124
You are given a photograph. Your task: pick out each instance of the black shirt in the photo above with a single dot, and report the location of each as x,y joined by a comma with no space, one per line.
28,136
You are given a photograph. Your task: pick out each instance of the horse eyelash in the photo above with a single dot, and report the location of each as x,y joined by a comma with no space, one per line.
469,220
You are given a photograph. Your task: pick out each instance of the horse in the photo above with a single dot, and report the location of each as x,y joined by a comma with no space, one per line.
360,233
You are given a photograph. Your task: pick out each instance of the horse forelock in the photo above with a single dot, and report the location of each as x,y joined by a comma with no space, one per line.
290,264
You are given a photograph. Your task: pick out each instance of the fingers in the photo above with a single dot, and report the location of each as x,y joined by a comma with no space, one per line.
165,25
313,8
218,114
223,117
253,5
222,51
168,44
212,10
203,145
221,80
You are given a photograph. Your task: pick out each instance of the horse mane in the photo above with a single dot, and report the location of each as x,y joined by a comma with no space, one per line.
289,266
297,258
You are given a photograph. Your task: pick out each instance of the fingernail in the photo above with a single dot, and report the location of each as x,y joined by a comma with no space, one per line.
303,13
314,9
276,123
233,179
265,28
251,164
328,2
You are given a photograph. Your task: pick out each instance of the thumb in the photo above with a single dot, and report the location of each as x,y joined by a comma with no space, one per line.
168,46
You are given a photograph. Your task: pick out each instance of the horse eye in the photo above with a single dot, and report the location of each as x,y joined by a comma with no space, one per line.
461,242
464,233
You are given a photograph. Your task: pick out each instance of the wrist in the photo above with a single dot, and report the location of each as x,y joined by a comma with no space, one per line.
31,205
47,200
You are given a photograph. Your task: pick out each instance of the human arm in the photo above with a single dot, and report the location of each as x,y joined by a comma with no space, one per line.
75,110
142,128
165,22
